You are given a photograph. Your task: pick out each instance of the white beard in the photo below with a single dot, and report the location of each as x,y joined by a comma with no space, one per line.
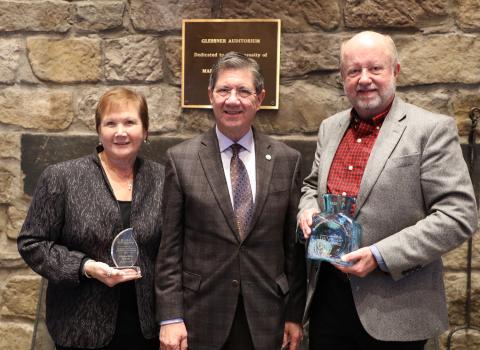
378,101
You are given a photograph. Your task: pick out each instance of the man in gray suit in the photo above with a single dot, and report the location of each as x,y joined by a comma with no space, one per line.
415,202
230,274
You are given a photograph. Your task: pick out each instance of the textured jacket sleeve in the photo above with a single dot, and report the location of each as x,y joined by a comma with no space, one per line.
449,202
295,254
41,232
168,268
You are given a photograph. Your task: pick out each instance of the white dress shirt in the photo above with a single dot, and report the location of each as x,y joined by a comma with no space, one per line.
247,155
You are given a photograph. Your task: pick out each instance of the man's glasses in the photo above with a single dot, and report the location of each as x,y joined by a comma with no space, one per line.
239,93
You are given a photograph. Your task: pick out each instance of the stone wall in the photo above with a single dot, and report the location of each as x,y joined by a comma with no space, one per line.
57,57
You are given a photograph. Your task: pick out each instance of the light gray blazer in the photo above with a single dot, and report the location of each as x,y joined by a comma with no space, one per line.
415,203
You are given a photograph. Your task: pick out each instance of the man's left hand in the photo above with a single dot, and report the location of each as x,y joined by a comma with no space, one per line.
292,336
363,262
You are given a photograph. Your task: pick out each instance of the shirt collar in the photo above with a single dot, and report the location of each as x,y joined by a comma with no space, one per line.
224,142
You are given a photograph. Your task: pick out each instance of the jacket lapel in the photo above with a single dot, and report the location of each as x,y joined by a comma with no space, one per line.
211,161
328,153
390,133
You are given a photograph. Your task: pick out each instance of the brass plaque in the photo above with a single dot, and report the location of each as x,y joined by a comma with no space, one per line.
205,40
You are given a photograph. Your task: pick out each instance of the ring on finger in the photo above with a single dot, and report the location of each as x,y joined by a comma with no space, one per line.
109,273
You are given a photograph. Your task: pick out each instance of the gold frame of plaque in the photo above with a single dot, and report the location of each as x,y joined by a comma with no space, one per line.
205,40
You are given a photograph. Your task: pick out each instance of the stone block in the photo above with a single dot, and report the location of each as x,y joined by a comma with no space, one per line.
193,121
307,53
16,336
65,60
455,285
173,57
306,147
48,110
11,260
467,14
39,16
20,296
25,74
461,340
297,16
133,58
86,103
163,106
451,58
16,217
434,100
10,51
98,16
302,107
456,260
8,186
166,15
451,102
10,145
393,14
3,217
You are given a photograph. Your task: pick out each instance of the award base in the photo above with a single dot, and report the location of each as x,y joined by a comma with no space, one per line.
136,268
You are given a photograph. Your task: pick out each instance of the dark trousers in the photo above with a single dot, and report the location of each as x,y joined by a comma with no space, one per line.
239,337
334,322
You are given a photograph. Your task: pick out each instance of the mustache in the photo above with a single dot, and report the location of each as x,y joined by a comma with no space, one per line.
369,88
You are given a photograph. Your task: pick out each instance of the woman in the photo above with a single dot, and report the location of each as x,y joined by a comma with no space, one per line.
78,208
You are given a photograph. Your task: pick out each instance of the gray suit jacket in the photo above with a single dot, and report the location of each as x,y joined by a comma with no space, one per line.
203,265
416,202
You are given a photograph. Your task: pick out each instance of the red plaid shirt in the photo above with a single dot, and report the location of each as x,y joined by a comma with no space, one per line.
352,154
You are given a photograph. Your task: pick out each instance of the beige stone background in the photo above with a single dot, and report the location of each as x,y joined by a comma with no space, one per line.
57,57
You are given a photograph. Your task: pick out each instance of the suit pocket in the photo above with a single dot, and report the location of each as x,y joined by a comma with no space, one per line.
403,161
191,281
282,283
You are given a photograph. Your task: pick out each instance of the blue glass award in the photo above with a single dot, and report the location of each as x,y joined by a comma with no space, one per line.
334,231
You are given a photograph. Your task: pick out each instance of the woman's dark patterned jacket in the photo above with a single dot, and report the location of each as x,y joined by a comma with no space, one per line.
74,215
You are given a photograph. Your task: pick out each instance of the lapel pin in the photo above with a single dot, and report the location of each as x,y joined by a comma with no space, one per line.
268,157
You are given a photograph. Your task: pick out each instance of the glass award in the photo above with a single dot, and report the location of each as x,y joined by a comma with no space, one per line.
334,231
124,250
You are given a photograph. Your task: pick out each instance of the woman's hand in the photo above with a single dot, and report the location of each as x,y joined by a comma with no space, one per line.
109,275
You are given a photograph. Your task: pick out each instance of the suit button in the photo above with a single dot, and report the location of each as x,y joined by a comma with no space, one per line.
235,284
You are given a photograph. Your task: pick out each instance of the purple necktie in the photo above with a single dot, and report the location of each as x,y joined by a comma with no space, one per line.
242,192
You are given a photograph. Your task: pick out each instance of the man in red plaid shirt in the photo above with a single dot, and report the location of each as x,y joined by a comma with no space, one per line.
415,202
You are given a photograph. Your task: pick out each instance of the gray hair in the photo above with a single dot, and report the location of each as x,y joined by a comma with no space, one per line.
237,60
